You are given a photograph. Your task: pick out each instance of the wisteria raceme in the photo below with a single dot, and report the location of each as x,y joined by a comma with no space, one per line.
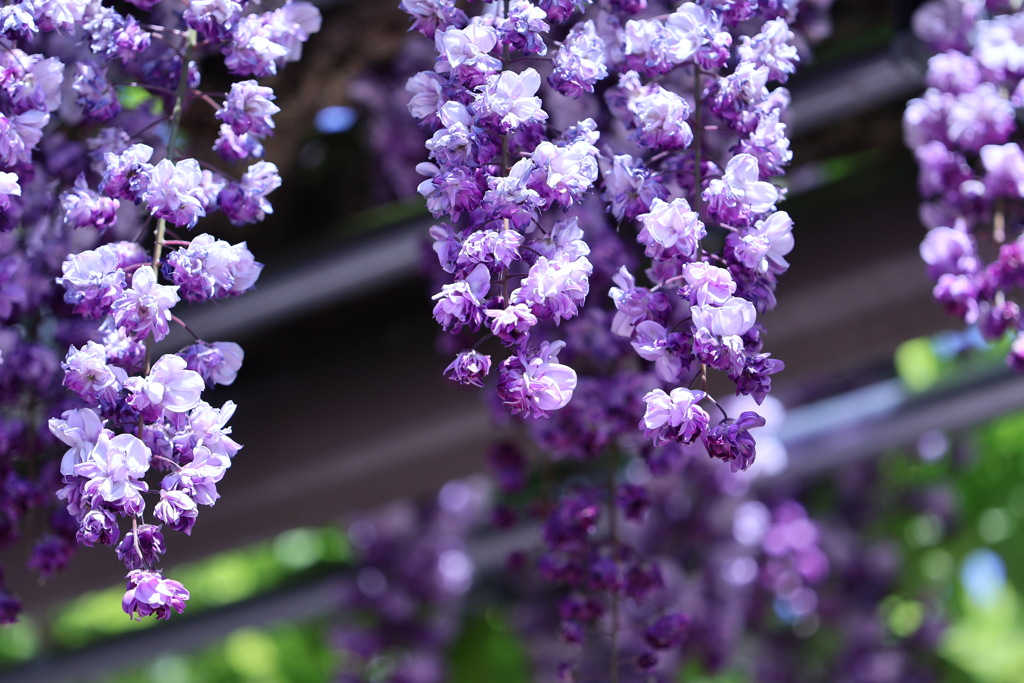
616,265
964,133
132,423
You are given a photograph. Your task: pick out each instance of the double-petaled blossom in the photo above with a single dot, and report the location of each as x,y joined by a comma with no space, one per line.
461,303
763,248
173,192
674,416
671,229
536,383
114,470
93,280
738,197
169,386
209,268
78,428
469,367
145,306
88,374
148,592
511,98
580,62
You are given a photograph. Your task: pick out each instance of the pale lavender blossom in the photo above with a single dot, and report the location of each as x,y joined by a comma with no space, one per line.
653,342
126,174
249,107
738,196
660,119
84,207
246,201
175,192
495,248
170,386
199,477
212,269
212,19
629,186
511,324
949,251
114,470
1004,169
675,416
511,98
19,135
467,51
568,171
670,229
634,304
555,288
982,116
536,383
78,428
523,28
145,307
426,95
707,285
580,62
216,363
92,281
734,317
429,16
98,526
763,248
207,426
9,187
772,48
87,373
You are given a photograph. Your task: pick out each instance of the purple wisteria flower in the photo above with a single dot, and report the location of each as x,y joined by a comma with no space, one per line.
176,192
469,367
145,306
536,383
675,416
148,592
114,471
169,386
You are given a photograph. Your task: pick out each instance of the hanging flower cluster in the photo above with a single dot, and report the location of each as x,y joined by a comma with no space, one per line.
91,102
604,175
965,135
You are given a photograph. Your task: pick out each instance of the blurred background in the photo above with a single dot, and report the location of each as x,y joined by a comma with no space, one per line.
896,418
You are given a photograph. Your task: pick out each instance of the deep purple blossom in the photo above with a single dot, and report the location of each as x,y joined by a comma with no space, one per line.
142,547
